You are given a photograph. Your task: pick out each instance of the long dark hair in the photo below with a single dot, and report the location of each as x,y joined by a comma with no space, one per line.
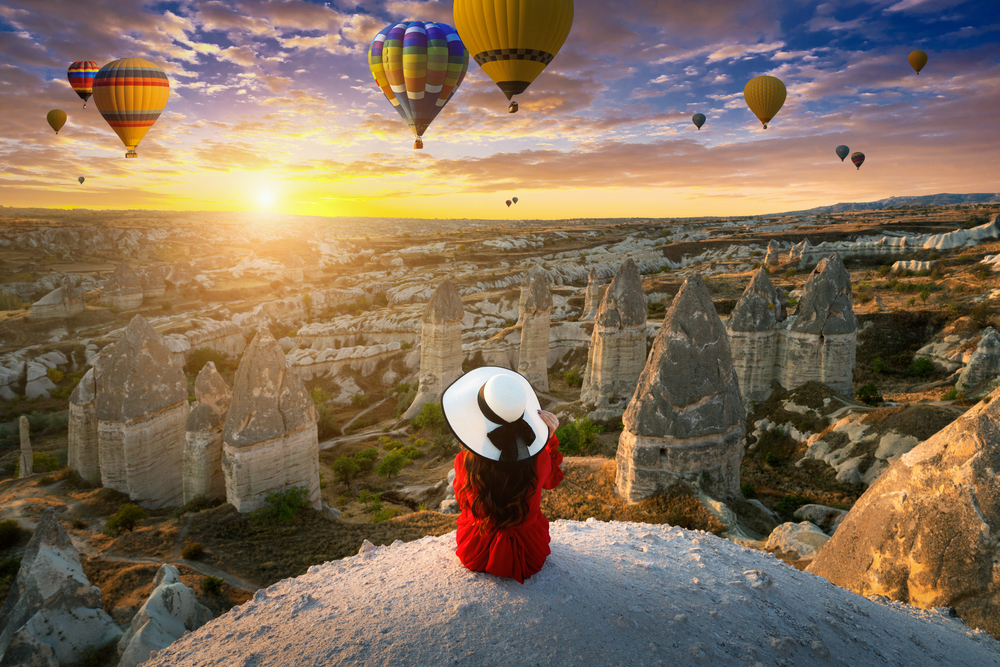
500,491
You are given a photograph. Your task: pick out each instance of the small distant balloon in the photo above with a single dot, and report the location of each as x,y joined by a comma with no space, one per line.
842,152
917,60
858,159
81,78
56,119
508,203
514,199
81,179
698,119
764,95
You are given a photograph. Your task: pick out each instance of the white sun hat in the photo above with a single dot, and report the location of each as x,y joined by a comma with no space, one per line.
493,401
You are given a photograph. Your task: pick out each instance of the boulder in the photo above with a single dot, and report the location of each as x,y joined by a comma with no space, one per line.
828,519
799,540
983,368
534,351
123,291
440,346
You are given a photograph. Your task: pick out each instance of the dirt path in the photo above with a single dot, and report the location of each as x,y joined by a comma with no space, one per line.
363,412
357,437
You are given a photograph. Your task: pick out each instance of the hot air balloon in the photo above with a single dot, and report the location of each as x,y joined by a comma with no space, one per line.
131,94
81,77
842,152
508,203
81,179
418,66
698,119
514,199
513,40
764,95
56,118
858,159
917,60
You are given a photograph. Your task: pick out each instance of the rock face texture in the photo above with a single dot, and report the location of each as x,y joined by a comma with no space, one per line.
52,613
203,437
27,459
123,290
64,301
617,352
82,442
440,346
269,438
532,361
773,256
820,340
534,273
925,531
983,367
141,409
753,336
591,300
686,420
152,282
169,612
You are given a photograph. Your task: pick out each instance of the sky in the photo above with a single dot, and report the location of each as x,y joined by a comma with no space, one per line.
273,108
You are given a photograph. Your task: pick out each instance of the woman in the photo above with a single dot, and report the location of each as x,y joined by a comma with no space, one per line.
511,455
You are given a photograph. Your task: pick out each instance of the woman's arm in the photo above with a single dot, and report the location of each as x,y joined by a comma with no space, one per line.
552,451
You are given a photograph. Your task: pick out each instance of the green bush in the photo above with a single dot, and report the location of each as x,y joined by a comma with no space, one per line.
430,416
406,345
359,400
746,488
55,375
198,358
921,367
573,378
950,395
326,426
283,505
588,430
371,500
869,394
346,469
879,366
10,533
392,463
192,551
366,459
40,462
211,585
320,395
772,459
569,438
127,518
788,504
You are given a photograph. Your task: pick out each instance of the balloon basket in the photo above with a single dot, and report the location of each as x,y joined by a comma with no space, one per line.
512,108
418,144
131,154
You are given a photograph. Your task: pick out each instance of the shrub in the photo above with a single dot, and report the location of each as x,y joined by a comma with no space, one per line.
326,426
283,505
921,367
789,503
869,395
198,358
366,459
983,273
10,533
950,395
430,416
392,463
588,430
746,488
211,585
383,515
772,459
569,438
573,378
359,400
371,500
192,551
127,518
319,395
981,314
40,462
879,366
406,345
80,524
346,468
55,375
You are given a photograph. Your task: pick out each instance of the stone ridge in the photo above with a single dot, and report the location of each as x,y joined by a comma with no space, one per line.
123,281
268,401
539,297
445,305
624,303
759,308
140,378
688,387
827,305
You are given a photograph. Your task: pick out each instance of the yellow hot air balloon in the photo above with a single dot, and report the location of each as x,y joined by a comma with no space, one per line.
513,40
917,60
764,95
131,93
56,119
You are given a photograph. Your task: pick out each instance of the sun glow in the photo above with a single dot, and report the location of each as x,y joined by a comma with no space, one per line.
265,198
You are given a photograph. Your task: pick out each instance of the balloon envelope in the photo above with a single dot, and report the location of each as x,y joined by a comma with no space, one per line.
508,203
56,119
698,119
514,199
764,95
131,94
81,179
842,152
418,66
858,158
917,60
513,40
81,77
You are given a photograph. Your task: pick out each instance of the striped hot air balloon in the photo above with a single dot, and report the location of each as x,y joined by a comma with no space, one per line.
418,66
81,77
131,94
858,159
764,95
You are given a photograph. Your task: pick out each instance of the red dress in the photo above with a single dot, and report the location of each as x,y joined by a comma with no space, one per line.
519,551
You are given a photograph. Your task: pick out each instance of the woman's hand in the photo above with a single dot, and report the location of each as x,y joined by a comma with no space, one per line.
550,420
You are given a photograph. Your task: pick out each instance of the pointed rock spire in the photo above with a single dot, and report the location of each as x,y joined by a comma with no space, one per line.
827,304
624,302
759,308
445,305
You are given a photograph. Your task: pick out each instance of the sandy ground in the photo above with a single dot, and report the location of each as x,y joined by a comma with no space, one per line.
610,594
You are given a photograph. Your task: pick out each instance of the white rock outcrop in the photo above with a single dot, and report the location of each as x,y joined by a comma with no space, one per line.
800,540
203,437
536,318
64,301
440,346
983,369
123,291
82,442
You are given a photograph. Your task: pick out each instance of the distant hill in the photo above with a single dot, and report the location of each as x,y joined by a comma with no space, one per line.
943,199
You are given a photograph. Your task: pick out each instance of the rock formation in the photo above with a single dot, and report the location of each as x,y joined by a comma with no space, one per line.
686,420
820,339
535,272
983,367
27,459
773,256
152,282
141,409
617,352
591,300
52,613
801,541
269,438
925,531
82,441
203,444
169,611
123,291
293,268
440,346
753,336
64,301
534,352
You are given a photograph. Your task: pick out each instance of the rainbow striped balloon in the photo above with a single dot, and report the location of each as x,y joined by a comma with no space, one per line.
81,77
131,94
858,159
418,66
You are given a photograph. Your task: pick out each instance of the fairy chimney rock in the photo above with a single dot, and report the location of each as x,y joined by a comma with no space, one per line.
591,300
64,301
27,459
983,367
141,409
203,437
440,346
753,336
269,438
617,352
536,272
82,440
773,256
153,285
534,351
686,420
123,291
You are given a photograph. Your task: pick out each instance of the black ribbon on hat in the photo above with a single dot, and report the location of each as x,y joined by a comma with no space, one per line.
511,438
